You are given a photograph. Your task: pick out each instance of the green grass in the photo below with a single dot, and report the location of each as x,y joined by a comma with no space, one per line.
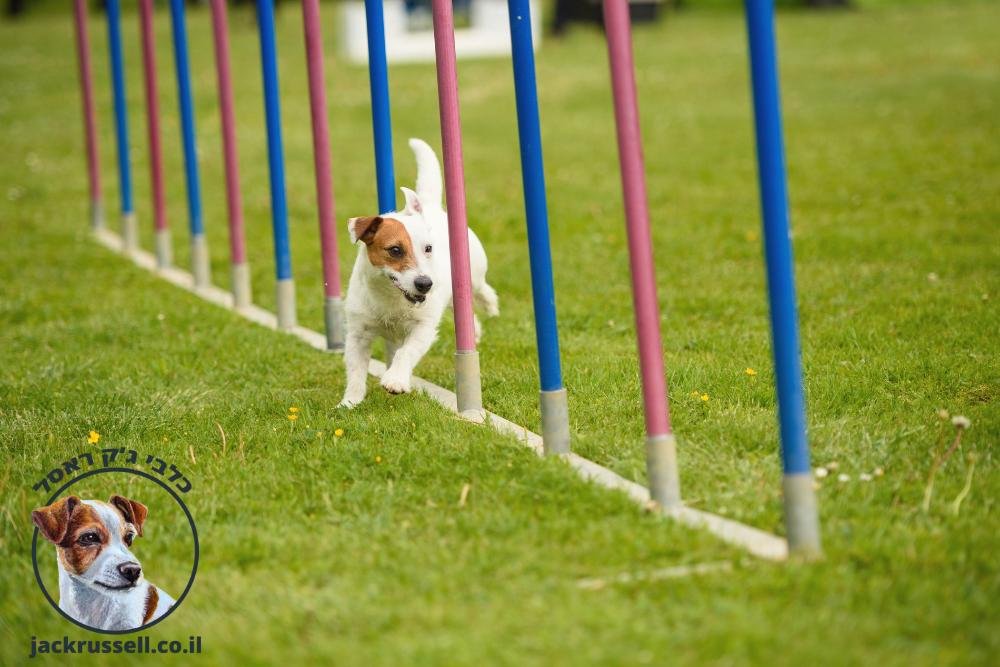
355,550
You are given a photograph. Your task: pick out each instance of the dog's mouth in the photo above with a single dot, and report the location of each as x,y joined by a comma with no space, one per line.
412,298
122,587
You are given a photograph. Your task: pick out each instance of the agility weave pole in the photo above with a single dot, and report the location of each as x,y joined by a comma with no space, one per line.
553,401
754,540
467,378
801,512
128,223
86,77
239,269
333,307
199,246
164,247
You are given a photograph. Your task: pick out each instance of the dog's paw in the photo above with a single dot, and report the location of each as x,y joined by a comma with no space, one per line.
349,402
395,383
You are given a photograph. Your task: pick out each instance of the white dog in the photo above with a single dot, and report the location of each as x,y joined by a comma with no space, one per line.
401,282
101,584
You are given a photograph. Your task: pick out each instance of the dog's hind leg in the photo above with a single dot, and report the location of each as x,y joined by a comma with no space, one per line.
357,354
487,299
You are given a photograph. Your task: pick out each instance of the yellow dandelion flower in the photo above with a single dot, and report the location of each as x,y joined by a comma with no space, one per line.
93,438
293,410
292,417
704,397
749,371
378,459
339,433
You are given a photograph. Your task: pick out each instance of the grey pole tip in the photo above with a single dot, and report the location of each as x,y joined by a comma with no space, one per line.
661,466
96,215
333,316
285,304
164,249
240,276
130,233
801,516
555,421
199,261
468,389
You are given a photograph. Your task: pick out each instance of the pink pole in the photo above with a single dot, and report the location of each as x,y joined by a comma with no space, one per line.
153,118
454,178
89,122
468,388
333,309
321,147
647,310
237,238
661,453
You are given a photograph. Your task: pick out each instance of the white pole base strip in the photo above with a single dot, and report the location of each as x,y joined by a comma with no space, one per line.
164,249
130,233
801,515
96,215
754,541
467,383
285,304
240,277
333,318
199,262
555,421
661,467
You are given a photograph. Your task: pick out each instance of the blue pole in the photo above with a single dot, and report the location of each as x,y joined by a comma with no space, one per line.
199,253
555,416
276,164
121,122
378,77
800,504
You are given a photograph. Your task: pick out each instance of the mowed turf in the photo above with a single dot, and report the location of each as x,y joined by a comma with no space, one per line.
357,549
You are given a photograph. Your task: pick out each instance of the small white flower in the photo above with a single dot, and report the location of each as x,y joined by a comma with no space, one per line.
821,472
843,478
932,277
161,316
865,477
879,472
961,422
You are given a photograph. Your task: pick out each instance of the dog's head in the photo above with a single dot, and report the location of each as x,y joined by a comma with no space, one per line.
400,246
93,538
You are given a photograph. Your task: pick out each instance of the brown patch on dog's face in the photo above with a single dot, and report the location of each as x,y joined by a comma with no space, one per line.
134,513
388,243
85,538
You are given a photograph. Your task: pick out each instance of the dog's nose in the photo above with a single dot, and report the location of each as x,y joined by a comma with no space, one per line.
131,571
423,284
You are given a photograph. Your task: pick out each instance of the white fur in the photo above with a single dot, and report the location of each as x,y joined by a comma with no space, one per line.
377,303
86,597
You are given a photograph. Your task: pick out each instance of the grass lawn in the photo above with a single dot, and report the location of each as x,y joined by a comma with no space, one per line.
356,550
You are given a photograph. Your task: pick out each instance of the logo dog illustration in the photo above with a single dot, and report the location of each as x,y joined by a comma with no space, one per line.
101,584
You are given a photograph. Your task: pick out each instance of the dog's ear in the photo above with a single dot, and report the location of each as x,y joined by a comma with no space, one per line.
363,229
135,512
53,520
413,204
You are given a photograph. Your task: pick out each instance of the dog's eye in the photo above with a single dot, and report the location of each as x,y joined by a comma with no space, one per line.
89,538
395,251
428,249
128,538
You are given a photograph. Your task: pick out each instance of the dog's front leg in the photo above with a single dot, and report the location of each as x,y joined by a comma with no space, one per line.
357,354
396,380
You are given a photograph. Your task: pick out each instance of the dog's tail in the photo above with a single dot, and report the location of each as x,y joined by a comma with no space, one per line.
428,173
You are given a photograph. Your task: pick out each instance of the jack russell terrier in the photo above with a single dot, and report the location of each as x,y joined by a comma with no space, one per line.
401,282
100,582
